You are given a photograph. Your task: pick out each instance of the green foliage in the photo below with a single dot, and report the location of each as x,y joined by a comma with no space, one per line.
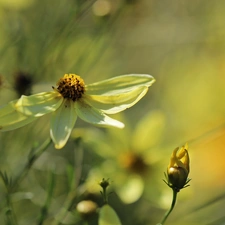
181,43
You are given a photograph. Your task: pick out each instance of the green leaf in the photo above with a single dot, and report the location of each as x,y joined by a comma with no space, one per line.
107,216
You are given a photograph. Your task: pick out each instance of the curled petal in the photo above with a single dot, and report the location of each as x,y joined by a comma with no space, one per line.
120,84
39,104
62,123
95,116
180,159
11,119
111,104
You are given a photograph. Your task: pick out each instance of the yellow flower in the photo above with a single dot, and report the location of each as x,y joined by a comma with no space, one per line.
178,169
71,99
131,160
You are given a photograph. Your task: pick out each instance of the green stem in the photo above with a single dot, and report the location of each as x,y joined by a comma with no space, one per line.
34,155
171,207
10,216
45,207
73,187
105,197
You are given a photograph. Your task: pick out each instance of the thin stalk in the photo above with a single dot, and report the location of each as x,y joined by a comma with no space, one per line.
69,201
45,208
10,216
171,208
34,155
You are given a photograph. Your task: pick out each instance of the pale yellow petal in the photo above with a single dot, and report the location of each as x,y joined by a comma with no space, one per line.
11,119
95,116
111,104
148,131
62,123
132,189
39,104
119,84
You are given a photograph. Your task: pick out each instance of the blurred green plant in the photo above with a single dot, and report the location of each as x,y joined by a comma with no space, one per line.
180,42
130,156
107,215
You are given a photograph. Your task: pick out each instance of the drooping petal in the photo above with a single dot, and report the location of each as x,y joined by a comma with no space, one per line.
11,119
39,104
95,116
111,104
119,84
62,123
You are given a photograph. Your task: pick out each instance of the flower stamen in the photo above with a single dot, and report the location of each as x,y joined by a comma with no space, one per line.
71,86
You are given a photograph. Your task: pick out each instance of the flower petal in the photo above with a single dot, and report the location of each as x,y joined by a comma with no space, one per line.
62,123
119,84
148,131
39,104
95,116
11,119
132,189
111,104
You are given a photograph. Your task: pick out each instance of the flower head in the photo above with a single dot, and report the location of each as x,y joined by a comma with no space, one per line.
131,160
178,169
71,99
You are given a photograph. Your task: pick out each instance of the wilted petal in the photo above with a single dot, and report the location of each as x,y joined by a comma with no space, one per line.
119,84
95,116
111,104
62,123
39,104
11,119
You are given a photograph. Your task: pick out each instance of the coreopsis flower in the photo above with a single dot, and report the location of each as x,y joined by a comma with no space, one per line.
178,169
71,99
131,160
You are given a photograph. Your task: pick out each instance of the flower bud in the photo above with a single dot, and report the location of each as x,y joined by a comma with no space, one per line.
178,169
23,83
87,208
104,183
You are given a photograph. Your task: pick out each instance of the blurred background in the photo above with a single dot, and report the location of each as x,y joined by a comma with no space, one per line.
180,43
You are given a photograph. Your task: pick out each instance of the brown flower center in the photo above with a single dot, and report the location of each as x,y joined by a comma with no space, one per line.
71,86
133,162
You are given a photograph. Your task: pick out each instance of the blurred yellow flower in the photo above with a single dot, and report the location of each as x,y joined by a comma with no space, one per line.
130,157
178,168
72,98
